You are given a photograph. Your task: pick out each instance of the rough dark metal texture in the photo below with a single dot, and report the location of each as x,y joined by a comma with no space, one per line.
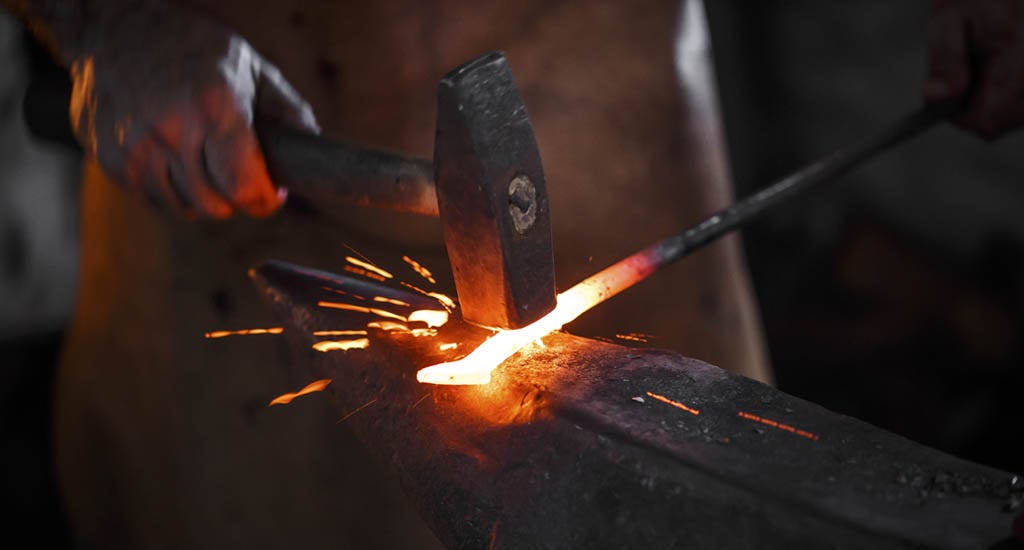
318,168
565,448
492,197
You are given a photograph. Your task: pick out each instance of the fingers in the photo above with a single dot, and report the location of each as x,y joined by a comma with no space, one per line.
179,140
997,106
144,172
234,164
948,64
192,150
977,52
195,166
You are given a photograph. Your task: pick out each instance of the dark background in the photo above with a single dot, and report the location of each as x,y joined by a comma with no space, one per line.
895,295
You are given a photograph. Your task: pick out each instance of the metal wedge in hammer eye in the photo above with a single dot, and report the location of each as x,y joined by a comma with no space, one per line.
492,197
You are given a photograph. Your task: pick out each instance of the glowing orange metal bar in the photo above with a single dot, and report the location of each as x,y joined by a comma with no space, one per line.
476,367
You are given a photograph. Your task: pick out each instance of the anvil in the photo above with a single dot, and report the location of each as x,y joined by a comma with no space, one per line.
585,444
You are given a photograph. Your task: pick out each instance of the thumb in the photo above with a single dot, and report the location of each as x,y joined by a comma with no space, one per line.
279,103
948,67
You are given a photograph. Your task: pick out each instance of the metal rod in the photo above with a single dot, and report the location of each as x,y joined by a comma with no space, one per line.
827,169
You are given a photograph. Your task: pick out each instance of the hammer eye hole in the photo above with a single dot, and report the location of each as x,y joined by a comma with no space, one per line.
522,203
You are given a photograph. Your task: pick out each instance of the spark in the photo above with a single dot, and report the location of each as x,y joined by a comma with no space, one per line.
342,345
364,273
368,266
448,346
388,314
432,317
416,404
388,326
445,300
312,387
390,301
245,332
422,271
361,309
476,367
346,307
361,407
391,326
342,292
356,252
634,337
339,333
675,404
779,425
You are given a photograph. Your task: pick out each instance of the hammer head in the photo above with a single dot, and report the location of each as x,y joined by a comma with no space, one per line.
492,197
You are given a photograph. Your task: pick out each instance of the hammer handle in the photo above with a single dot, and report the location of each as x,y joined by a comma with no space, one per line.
306,164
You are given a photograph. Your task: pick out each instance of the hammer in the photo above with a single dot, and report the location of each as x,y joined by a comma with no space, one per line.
490,188
490,196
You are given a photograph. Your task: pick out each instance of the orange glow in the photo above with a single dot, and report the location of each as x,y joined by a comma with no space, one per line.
675,404
423,272
342,345
368,266
286,398
339,333
246,332
779,425
390,301
448,346
476,367
634,337
432,317
423,332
